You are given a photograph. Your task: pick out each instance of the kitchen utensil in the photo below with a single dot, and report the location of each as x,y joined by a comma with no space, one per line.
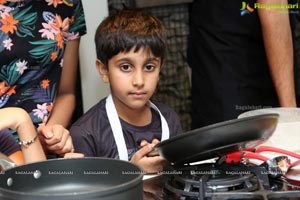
217,140
72,179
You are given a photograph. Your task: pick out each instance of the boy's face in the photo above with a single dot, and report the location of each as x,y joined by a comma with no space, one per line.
133,77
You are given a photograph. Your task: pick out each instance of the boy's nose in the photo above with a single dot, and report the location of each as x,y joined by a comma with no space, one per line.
138,79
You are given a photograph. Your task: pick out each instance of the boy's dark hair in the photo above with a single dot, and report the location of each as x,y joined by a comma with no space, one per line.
126,29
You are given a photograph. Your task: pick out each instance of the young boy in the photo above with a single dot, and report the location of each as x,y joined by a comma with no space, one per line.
130,49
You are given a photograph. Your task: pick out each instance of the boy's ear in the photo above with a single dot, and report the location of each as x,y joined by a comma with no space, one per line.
103,71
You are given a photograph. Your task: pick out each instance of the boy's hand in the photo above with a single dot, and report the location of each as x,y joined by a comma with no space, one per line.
154,142
153,152
148,164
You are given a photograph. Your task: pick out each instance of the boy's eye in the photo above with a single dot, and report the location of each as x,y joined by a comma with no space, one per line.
149,67
125,67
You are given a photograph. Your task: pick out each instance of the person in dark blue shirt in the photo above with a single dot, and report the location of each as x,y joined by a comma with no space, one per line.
126,125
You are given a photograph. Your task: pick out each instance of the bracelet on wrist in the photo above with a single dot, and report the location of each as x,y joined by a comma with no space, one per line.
28,142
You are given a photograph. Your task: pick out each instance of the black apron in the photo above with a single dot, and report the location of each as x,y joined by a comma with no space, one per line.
230,74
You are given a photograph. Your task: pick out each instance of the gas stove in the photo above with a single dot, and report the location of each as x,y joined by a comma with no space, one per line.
212,181
242,168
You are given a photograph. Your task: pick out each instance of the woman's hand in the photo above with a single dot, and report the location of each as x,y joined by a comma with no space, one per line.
56,139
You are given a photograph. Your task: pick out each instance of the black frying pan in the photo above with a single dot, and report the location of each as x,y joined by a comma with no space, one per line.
218,139
73,179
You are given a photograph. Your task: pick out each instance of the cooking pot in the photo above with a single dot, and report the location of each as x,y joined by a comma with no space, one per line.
287,133
73,179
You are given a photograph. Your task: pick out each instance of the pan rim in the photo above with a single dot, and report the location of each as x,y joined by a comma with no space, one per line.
121,187
220,124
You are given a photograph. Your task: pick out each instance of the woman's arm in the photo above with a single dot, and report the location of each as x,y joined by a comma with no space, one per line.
56,137
64,104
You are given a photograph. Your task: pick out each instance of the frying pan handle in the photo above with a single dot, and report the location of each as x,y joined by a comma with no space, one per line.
277,150
153,153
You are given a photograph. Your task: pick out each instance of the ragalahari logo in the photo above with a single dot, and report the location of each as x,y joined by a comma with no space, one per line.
246,9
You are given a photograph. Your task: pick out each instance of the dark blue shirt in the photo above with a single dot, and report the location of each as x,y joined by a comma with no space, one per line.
92,134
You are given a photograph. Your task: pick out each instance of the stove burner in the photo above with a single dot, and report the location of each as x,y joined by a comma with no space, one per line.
209,179
226,181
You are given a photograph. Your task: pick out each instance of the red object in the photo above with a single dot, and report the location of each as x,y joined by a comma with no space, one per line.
253,153
238,156
276,150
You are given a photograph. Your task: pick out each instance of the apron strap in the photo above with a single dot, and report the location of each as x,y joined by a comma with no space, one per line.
116,127
164,125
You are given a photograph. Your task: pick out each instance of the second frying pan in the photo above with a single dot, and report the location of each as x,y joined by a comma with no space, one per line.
218,139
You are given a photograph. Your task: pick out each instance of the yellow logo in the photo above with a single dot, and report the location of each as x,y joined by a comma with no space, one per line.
280,8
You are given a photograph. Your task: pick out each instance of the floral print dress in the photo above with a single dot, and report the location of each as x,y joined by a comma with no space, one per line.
33,35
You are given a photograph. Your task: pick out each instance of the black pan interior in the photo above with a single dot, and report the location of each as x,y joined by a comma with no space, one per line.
218,139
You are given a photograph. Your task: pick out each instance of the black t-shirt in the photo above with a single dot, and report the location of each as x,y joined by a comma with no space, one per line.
8,144
230,72
92,134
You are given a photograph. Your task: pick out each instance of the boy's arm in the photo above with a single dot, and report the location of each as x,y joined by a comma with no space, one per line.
19,120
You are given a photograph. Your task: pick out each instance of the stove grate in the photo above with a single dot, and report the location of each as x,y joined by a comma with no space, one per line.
243,182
